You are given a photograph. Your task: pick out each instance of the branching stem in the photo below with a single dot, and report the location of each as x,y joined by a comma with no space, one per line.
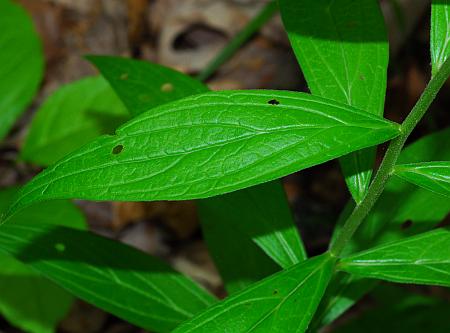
390,158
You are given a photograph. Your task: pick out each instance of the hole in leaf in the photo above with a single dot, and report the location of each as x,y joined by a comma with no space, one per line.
407,224
117,149
124,76
275,292
60,247
273,102
167,87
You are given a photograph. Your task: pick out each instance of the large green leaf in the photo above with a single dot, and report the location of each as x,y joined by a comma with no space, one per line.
142,85
22,63
439,33
421,259
266,221
239,266
72,116
29,300
434,176
399,310
283,302
126,282
343,51
208,145
410,215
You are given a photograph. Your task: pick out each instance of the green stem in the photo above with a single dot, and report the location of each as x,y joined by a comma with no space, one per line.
252,27
390,158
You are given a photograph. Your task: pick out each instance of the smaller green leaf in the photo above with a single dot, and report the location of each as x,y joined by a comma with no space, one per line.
142,85
439,33
239,266
268,221
22,63
434,176
400,311
422,259
113,276
343,51
283,302
207,145
342,293
72,116
29,300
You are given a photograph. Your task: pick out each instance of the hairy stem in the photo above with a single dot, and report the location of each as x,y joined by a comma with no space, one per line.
253,26
390,158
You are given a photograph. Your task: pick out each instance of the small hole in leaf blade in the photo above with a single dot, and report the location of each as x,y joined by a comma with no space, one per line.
117,149
406,225
273,102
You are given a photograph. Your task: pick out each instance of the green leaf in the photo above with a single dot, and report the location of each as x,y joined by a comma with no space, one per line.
72,116
343,51
401,312
117,278
58,212
29,300
421,259
208,145
342,293
147,292
254,216
268,222
439,33
434,176
410,215
241,265
142,85
22,63
283,302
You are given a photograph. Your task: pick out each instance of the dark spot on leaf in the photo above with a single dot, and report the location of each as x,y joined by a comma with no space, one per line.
60,247
117,149
275,292
167,87
273,102
124,76
407,224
